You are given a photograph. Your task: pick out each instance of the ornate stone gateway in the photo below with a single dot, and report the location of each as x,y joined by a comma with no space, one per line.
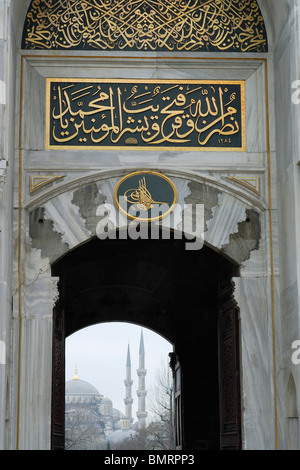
122,98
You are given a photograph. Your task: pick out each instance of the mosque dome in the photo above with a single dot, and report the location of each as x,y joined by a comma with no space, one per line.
106,400
80,390
80,387
106,407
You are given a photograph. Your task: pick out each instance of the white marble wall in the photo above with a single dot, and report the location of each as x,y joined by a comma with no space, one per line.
7,127
287,71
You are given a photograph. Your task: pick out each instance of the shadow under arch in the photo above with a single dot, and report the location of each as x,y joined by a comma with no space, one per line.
186,297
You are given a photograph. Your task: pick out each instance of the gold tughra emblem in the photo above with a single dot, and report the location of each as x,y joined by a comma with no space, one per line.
137,195
141,196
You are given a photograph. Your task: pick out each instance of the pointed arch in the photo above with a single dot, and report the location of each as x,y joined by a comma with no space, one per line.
153,283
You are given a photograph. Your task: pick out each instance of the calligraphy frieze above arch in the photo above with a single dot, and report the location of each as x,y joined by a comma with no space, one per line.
152,25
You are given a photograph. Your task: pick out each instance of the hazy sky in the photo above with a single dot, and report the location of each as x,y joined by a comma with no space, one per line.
100,352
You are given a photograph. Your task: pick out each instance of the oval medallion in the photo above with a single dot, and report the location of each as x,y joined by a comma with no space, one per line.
145,195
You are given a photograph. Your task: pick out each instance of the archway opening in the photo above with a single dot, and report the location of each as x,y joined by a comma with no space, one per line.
185,296
119,389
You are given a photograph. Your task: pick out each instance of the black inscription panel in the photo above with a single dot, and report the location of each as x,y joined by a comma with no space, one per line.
167,114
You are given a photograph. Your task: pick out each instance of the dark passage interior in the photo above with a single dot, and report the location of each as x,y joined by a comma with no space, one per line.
175,292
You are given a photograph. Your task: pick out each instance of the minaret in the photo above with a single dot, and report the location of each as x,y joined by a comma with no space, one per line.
141,392
128,397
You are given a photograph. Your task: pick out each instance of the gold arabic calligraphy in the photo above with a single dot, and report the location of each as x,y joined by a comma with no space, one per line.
182,25
191,114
